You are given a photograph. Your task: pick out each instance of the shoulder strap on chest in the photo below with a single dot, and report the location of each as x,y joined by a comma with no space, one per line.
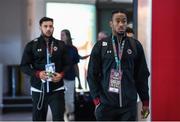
104,46
35,43
133,44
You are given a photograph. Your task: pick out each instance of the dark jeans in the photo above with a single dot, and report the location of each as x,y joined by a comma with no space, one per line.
56,102
107,113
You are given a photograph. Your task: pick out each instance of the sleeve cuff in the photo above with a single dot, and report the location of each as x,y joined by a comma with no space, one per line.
37,74
96,101
62,74
145,103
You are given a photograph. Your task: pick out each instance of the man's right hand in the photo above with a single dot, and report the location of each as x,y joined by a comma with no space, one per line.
43,75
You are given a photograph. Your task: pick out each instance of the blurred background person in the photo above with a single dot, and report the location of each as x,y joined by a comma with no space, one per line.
73,72
102,35
129,32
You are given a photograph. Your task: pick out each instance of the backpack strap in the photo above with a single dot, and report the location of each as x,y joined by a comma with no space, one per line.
104,46
132,42
35,42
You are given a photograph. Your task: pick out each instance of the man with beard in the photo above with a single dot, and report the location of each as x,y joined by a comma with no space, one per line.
45,60
117,71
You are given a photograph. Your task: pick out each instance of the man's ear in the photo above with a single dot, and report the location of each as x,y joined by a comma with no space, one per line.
110,24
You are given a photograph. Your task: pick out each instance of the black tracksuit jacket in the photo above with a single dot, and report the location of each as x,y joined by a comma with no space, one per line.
134,67
35,58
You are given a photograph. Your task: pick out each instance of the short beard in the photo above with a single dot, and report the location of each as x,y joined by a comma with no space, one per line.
46,36
122,33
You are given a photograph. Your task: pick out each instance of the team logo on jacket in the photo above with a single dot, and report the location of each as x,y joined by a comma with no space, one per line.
39,50
129,51
104,43
35,39
55,48
108,51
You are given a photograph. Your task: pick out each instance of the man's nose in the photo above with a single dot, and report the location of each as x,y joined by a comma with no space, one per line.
121,23
48,28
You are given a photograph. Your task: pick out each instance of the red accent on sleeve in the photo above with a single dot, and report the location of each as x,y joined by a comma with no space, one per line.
37,74
96,101
145,103
62,73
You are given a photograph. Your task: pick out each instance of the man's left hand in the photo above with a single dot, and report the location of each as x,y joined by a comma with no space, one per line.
145,112
57,77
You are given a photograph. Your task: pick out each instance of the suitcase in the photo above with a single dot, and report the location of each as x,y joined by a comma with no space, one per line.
84,107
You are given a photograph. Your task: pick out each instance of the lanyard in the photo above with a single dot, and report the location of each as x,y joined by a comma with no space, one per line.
118,61
49,51
120,52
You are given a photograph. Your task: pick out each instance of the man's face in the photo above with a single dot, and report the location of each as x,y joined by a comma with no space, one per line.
118,23
47,28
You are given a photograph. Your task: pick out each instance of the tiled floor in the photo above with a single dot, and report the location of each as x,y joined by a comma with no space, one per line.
20,116
27,116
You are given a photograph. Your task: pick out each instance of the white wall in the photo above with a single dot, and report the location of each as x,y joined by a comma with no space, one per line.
10,31
18,25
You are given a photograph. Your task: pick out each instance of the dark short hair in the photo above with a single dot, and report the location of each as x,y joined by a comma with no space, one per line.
45,19
119,11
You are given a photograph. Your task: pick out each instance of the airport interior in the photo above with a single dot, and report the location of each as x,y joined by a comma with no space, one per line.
155,23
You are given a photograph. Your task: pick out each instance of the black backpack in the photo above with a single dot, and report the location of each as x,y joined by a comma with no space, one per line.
132,42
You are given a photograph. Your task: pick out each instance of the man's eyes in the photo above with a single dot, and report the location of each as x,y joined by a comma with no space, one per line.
122,21
50,26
